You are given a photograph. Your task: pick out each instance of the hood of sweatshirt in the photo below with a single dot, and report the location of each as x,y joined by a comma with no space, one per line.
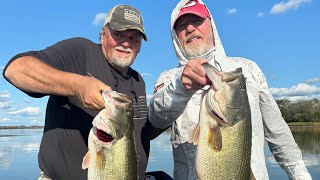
213,56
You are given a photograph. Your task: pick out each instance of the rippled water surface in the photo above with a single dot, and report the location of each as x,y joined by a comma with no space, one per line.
19,150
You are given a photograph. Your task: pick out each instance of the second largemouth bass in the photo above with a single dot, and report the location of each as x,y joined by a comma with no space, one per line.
223,135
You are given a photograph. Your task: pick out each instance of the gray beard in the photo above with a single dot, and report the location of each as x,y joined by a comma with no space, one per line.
196,51
200,51
203,54
121,64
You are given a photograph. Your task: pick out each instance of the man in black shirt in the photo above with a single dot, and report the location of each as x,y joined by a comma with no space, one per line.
73,73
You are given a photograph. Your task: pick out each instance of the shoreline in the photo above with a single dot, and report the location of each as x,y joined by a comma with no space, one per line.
21,127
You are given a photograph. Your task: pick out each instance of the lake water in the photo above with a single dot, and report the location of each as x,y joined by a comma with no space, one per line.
19,149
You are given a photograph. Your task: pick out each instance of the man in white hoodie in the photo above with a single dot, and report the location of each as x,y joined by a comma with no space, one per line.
176,101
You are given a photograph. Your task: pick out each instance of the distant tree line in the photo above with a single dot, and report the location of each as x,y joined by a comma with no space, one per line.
300,111
21,127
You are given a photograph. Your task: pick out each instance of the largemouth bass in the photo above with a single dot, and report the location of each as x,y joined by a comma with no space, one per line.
223,135
111,154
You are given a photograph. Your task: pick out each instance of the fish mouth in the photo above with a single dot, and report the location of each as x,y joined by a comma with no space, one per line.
214,110
103,136
220,120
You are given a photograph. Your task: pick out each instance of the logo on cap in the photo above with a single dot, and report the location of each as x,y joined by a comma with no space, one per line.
189,4
194,7
132,16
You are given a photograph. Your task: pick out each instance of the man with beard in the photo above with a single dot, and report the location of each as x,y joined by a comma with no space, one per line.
178,91
73,73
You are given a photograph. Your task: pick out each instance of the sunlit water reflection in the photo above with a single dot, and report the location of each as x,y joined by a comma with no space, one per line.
19,150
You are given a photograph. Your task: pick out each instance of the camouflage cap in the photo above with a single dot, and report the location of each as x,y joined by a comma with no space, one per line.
125,17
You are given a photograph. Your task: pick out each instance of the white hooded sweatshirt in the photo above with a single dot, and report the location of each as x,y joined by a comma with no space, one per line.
173,105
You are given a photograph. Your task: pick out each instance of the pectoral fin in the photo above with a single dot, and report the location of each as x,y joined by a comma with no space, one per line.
100,160
215,138
85,161
194,136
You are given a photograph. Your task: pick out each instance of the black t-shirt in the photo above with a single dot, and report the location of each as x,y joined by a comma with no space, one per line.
67,122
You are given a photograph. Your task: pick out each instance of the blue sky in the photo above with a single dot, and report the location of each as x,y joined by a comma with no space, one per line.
282,37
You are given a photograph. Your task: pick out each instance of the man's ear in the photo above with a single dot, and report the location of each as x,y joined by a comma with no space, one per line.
102,34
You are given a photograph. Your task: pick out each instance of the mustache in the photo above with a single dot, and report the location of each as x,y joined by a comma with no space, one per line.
121,48
192,35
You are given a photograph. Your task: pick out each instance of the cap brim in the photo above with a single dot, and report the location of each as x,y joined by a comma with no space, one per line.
118,27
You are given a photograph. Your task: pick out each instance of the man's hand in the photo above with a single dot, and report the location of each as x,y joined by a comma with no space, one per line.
88,90
193,76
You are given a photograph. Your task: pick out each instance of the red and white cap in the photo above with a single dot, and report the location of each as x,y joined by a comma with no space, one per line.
194,7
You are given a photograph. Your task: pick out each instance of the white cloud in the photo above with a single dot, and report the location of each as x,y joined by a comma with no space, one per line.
260,14
231,10
28,111
39,122
4,120
146,74
99,18
313,80
4,95
283,7
301,91
5,105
